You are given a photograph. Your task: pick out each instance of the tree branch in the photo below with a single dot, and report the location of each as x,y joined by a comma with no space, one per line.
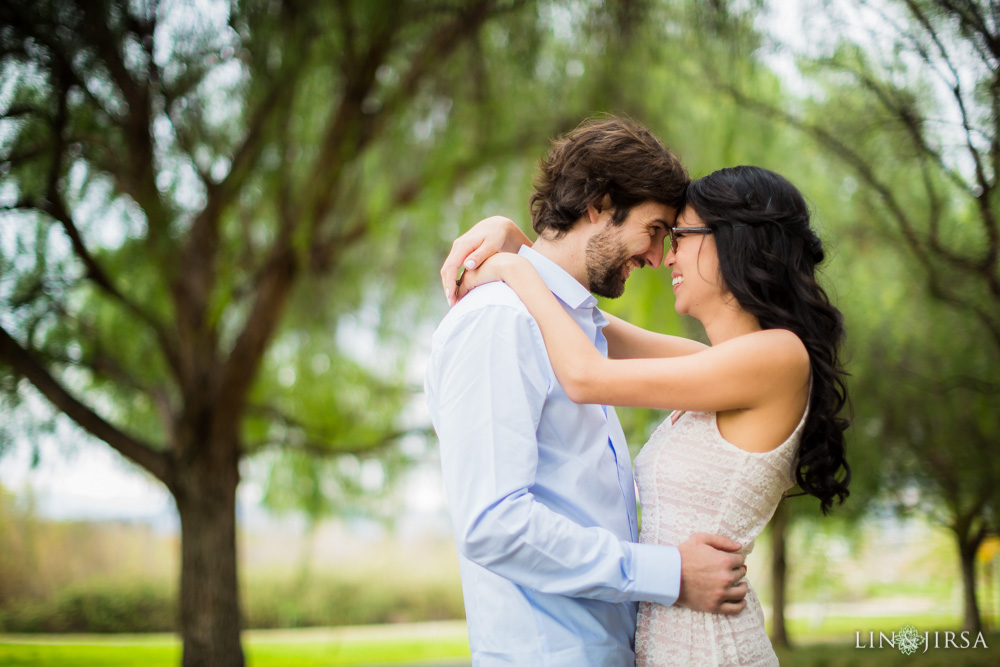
323,448
970,17
240,368
344,137
952,383
323,254
20,110
351,130
96,274
914,239
963,301
839,148
107,49
24,363
300,437
192,287
910,120
103,364
349,32
987,216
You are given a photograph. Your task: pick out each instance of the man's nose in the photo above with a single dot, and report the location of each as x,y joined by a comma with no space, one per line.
654,255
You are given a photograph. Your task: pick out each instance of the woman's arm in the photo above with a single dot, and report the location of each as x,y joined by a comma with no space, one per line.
741,373
627,341
499,234
489,236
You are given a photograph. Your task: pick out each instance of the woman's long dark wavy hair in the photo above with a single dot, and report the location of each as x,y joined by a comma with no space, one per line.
767,257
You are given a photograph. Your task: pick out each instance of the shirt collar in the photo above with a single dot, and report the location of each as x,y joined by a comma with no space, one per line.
559,281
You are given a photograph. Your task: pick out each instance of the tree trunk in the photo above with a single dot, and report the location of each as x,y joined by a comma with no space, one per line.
779,575
967,547
210,608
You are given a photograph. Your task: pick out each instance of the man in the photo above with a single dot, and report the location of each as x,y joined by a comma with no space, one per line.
540,489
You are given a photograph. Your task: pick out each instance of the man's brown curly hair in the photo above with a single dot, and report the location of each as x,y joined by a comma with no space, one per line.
606,156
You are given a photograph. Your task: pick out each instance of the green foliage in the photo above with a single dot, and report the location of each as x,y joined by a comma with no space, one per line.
335,600
198,151
96,606
106,577
895,94
368,174
911,351
136,606
920,314
39,558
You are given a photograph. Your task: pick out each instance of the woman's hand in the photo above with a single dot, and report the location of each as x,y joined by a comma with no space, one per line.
488,237
496,268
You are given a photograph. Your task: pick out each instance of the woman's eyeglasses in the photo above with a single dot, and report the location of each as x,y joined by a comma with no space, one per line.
677,232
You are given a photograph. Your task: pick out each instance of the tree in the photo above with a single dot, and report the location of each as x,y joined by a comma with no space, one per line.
941,459
905,99
908,99
184,186
927,157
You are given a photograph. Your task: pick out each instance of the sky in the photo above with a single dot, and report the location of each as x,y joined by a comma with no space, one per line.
87,480
78,478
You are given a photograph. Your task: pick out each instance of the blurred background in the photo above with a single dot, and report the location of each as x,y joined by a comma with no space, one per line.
220,230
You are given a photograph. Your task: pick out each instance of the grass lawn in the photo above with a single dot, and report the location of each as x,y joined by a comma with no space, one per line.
844,654
836,629
833,643
361,645
430,643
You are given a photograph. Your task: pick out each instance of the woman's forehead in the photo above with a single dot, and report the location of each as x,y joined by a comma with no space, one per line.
689,218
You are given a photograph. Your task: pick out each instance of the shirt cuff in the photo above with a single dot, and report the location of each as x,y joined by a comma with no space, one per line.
657,573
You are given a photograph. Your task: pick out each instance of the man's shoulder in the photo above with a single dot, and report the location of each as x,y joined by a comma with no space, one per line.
490,294
487,304
489,326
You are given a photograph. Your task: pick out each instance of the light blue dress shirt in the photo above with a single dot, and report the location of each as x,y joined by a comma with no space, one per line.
540,489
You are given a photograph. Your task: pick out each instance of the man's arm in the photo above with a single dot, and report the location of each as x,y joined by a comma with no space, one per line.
486,388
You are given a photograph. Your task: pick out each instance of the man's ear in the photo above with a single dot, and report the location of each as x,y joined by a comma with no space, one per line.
599,209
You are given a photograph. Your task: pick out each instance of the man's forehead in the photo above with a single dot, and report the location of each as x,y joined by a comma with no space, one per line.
649,214
664,216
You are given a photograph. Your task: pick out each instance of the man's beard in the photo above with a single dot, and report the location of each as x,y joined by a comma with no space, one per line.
607,258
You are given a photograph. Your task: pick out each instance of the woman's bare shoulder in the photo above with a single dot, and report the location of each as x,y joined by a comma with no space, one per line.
775,348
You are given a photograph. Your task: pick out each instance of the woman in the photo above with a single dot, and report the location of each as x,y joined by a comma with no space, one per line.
755,413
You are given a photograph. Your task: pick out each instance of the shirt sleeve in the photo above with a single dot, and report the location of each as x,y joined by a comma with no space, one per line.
486,385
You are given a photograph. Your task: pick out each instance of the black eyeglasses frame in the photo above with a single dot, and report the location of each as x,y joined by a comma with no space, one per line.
675,233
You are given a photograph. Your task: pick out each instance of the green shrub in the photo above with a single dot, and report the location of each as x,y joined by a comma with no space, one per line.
323,600
328,600
96,606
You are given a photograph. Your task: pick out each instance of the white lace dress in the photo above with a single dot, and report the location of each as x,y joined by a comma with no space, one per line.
692,480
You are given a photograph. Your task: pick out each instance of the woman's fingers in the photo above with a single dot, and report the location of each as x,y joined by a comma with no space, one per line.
474,247
470,280
491,270
461,289
461,249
